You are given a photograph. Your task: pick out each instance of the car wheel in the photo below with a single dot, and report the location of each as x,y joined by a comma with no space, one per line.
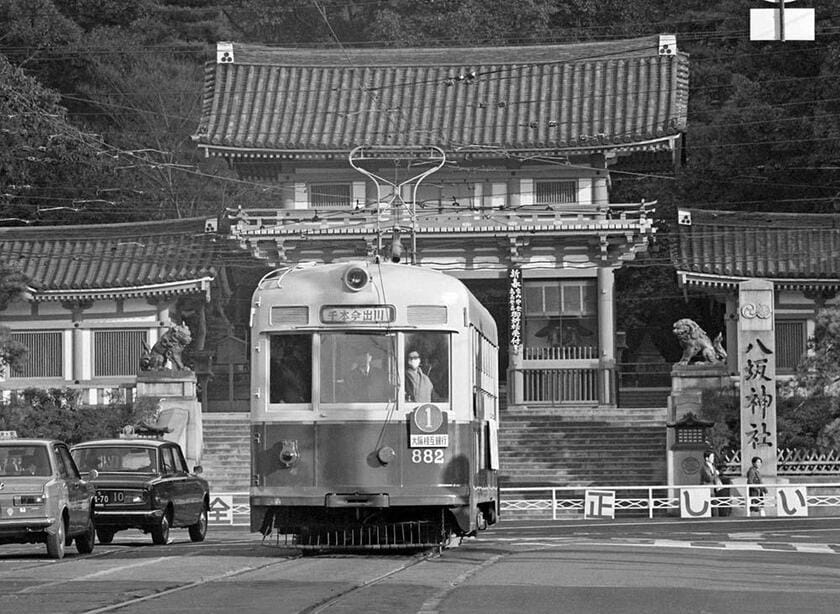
55,541
86,541
160,532
199,530
105,536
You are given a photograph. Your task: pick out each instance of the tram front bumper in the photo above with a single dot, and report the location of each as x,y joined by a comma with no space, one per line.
348,498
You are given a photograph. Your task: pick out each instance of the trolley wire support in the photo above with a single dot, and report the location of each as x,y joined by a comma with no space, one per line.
430,156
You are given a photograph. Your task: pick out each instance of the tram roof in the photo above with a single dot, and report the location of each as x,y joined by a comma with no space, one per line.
415,284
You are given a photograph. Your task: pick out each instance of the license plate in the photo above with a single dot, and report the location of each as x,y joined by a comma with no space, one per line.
106,497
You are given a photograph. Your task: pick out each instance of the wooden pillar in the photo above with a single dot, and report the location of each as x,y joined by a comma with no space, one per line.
606,331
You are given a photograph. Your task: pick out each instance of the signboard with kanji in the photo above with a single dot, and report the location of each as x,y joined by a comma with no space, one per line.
428,427
757,364
696,503
599,504
792,501
357,314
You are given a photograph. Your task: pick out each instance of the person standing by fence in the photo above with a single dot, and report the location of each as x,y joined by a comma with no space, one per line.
757,493
710,475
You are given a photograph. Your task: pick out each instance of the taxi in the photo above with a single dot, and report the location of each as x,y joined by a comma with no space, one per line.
144,483
43,498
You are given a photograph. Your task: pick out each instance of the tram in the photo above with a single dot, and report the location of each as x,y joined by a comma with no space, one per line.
374,407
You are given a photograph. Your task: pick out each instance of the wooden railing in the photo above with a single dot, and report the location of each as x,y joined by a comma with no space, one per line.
644,374
593,385
576,352
432,217
792,462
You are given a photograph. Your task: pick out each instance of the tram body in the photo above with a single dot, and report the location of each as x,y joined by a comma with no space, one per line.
346,451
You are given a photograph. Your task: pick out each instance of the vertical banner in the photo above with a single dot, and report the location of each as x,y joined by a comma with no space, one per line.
599,504
515,298
757,363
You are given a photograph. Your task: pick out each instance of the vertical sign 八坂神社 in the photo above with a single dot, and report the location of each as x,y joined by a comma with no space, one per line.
757,363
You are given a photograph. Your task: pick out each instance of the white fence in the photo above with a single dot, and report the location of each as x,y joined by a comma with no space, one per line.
603,502
782,500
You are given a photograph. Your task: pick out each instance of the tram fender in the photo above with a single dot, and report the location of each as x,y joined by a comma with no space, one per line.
463,517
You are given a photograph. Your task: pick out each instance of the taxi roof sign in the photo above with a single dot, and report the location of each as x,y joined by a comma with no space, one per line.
8,435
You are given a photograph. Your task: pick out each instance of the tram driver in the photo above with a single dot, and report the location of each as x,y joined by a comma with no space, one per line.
366,381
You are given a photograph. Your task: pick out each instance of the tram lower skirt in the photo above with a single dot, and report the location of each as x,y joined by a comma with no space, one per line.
394,536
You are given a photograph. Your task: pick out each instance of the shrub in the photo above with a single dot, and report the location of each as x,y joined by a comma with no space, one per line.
57,414
803,422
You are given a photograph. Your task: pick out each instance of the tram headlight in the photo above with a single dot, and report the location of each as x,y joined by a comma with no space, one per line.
356,278
386,454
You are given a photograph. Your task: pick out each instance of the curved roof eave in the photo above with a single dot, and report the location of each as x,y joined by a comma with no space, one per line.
165,289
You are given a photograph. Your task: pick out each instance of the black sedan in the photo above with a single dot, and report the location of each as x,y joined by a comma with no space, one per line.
144,484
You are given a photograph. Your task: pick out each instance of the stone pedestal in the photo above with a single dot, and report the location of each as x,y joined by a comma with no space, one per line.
688,382
174,393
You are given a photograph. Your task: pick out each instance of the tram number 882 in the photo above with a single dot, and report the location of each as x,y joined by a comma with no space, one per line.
427,456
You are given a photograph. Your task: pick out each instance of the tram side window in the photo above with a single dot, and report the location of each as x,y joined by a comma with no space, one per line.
290,371
427,367
357,368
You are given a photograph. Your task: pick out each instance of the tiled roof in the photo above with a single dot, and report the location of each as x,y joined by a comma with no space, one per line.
801,248
112,260
581,97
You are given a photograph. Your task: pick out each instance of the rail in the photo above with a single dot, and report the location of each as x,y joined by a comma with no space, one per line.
782,499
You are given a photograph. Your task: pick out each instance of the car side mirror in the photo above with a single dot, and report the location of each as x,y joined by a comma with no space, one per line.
197,469
92,474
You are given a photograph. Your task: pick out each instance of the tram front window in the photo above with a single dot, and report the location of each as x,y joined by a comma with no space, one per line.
290,371
357,368
427,367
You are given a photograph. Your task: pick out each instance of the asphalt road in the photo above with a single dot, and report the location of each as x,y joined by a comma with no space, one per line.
743,566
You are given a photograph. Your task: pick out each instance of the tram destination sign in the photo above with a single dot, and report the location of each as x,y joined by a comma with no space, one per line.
357,314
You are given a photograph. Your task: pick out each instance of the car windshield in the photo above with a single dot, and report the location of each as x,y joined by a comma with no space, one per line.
24,460
117,459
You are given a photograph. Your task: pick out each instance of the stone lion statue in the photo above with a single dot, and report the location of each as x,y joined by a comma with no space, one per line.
168,349
695,342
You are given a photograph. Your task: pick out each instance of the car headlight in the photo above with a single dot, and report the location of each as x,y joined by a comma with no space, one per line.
135,497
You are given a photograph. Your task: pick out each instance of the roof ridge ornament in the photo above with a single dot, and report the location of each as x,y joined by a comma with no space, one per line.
667,44
224,52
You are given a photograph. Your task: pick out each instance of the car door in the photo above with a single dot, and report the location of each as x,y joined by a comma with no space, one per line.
196,486
189,496
78,491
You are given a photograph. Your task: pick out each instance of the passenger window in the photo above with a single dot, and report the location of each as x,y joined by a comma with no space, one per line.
168,461
426,367
63,468
180,463
290,370
69,463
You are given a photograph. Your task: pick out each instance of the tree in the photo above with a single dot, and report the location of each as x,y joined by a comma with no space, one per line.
818,372
49,169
